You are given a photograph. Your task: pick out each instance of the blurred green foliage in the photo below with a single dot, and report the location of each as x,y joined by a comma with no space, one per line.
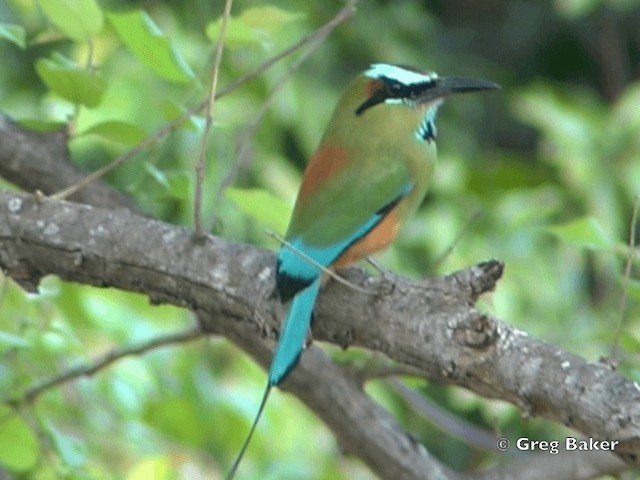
550,167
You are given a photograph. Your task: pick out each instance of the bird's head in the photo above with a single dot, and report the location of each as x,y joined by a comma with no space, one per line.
391,98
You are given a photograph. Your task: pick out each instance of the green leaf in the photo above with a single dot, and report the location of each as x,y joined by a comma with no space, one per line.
70,82
117,131
42,126
171,110
147,43
19,450
78,19
574,9
177,418
629,342
627,109
158,468
70,450
254,26
238,35
633,289
53,343
584,232
9,341
157,174
262,205
13,33
268,18
179,185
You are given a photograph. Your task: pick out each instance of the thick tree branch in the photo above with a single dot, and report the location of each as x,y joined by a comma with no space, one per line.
430,324
39,161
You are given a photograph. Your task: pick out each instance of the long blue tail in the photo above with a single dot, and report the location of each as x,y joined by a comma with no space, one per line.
287,353
293,333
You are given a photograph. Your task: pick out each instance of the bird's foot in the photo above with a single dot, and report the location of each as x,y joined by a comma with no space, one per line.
387,282
382,270
308,340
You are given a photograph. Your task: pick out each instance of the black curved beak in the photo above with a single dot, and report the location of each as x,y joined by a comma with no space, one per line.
445,86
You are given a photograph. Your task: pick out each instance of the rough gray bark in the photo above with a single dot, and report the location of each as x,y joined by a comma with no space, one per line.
32,161
429,325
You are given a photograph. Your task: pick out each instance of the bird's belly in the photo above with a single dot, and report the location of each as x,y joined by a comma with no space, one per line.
377,239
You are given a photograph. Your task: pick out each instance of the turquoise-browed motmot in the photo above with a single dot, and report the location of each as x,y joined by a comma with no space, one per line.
370,172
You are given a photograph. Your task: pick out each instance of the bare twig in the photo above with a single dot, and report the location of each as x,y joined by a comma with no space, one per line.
470,434
33,392
386,370
242,158
211,100
612,59
139,148
313,41
381,269
90,54
3,289
443,256
615,348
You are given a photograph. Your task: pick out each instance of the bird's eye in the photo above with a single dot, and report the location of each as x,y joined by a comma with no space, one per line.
395,89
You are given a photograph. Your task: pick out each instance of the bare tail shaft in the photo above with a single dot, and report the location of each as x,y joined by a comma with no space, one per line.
236,463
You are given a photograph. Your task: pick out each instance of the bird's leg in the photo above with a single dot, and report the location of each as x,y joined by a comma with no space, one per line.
387,277
308,340
382,270
305,258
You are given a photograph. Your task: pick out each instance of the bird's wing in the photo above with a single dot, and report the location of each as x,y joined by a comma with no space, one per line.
336,210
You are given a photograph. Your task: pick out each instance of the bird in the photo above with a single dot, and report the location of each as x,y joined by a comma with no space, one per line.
370,172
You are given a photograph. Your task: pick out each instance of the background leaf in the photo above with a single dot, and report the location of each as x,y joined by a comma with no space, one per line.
147,43
72,83
71,451
583,232
269,18
19,449
254,26
9,341
78,19
117,131
13,33
263,206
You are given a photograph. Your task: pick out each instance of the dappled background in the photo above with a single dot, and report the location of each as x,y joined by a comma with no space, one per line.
543,175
